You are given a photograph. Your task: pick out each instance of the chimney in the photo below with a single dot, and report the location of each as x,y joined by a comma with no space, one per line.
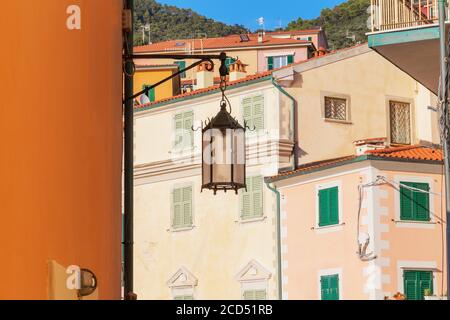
365,145
260,37
321,52
205,77
238,70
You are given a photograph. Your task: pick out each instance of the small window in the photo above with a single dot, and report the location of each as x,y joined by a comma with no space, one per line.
416,282
400,122
279,61
151,93
253,108
414,204
184,135
329,287
252,199
255,295
182,208
181,66
336,108
328,207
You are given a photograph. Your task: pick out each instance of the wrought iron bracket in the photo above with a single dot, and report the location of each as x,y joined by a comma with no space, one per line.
201,58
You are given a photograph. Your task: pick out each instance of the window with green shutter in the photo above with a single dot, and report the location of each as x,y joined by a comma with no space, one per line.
182,208
229,61
328,207
255,295
151,93
414,205
290,59
416,282
329,287
252,199
181,66
253,109
184,135
269,63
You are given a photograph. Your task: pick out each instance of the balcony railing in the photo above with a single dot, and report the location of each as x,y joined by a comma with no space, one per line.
399,14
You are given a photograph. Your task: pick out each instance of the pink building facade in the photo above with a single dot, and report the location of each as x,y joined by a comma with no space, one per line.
364,227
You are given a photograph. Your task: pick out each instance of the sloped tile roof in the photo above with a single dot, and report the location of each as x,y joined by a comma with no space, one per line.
413,153
232,41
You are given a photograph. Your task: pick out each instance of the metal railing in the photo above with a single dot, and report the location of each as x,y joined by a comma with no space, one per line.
399,14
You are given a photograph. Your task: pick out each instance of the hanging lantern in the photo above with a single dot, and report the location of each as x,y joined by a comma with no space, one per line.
224,153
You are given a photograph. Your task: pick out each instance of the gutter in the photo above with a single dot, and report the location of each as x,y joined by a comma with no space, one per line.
293,122
279,265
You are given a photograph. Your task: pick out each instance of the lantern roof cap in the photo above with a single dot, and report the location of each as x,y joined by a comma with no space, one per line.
223,120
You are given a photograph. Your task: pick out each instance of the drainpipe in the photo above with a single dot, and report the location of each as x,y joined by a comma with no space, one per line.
279,266
128,165
446,142
293,122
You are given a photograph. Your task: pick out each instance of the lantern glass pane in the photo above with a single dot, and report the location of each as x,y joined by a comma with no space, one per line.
239,156
207,162
222,144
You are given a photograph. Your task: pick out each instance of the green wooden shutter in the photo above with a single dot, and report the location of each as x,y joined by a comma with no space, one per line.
249,295
329,287
269,63
334,205
181,66
247,110
188,122
177,203
416,282
187,207
328,207
425,282
260,295
406,202
152,95
414,205
178,129
257,193
422,202
290,59
258,112
246,200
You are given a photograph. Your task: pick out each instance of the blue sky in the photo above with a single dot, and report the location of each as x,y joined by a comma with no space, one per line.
246,12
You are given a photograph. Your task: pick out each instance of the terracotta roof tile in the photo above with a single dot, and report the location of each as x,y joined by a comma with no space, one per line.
232,41
205,90
409,152
414,153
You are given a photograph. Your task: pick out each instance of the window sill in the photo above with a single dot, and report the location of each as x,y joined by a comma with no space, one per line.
331,228
337,121
182,150
415,224
244,221
183,229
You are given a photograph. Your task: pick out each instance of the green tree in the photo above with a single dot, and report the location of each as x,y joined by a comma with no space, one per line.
340,23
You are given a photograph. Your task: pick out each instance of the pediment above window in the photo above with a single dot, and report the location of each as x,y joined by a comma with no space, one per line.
253,271
182,278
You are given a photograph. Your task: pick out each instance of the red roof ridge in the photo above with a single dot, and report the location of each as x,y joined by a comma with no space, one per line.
395,149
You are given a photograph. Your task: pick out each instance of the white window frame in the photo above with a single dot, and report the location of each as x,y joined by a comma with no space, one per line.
415,224
332,228
403,265
330,272
346,97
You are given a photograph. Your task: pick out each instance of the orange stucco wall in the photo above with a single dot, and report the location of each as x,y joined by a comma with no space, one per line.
60,125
